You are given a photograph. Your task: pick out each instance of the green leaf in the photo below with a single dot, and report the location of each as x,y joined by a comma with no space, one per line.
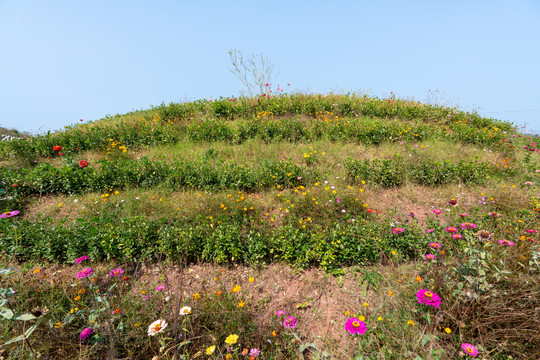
6,271
6,313
25,317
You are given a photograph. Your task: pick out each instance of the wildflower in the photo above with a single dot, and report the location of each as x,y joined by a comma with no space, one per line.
210,350
274,333
391,293
289,322
437,211
410,322
81,259
185,310
366,305
453,202
116,272
435,245
229,356
494,214
398,230
428,298
219,292
469,349
231,339
160,287
483,234
77,298
85,333
57,148
430,231
419,279
156,327
83,164
462,215
9,214
355,326
451,229
251,279
468,226
412,214
394,252
448,330
116,311
528,183
254,352
236,289
506,243
242,304
85,273
531,231
280,313
196,296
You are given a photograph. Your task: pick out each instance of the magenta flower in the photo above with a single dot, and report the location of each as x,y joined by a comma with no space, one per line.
451,229
398,230
437,211
355,326
254,352
81,259
430,257
116,272
428,297
531,231
412,214
280,313
84,273
469,349
430,231
456,236
289,322
85,333
468,226
462,214
9,214
435,245
160,287
506,243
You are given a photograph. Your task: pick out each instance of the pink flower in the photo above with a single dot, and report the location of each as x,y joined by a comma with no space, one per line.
528,183
430,231
462,214
430,257
468,226
280,313
456,236
83,164
437,211
160,287
469,349
81,259
85,333
9,214
451,229
428,297
355,326
531,231
116,272
254,352
289,322
84,273
506,243
398,230
435,245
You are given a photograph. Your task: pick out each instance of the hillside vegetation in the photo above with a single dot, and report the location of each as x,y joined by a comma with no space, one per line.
360,204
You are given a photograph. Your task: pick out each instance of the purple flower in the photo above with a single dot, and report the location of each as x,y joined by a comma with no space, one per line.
81,259
84,273
85,333
254,352
289,322
280,313
355,326
160,287
9,214
116,272
428,297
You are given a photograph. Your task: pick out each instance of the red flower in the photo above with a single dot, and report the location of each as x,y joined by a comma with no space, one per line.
14,185
57,148
83,163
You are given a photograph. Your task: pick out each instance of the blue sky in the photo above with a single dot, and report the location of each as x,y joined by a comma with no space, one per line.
61,61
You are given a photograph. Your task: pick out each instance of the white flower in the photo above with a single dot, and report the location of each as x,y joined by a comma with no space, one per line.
156,327
185,310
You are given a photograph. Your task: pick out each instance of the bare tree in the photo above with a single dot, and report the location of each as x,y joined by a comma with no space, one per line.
254,72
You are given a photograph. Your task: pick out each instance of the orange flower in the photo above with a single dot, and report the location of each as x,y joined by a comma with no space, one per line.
236,289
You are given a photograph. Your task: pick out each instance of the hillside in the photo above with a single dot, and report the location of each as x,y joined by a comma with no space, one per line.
358,202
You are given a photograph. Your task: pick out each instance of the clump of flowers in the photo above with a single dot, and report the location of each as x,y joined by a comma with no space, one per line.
86,333
156,327
355,326
428,297
506,243
289,322
469,349
85,273
9,214
81,259
231,339
398,230
116,272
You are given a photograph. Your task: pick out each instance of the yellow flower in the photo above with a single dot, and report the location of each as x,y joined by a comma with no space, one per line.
231,339
251,279
418,278
274,333
347,312
448,330
58,324
78,298
210,350
228,357
361,318
391,293
393,252
241,304
379,318
60,205
410,322
236,289
366,305
196,296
